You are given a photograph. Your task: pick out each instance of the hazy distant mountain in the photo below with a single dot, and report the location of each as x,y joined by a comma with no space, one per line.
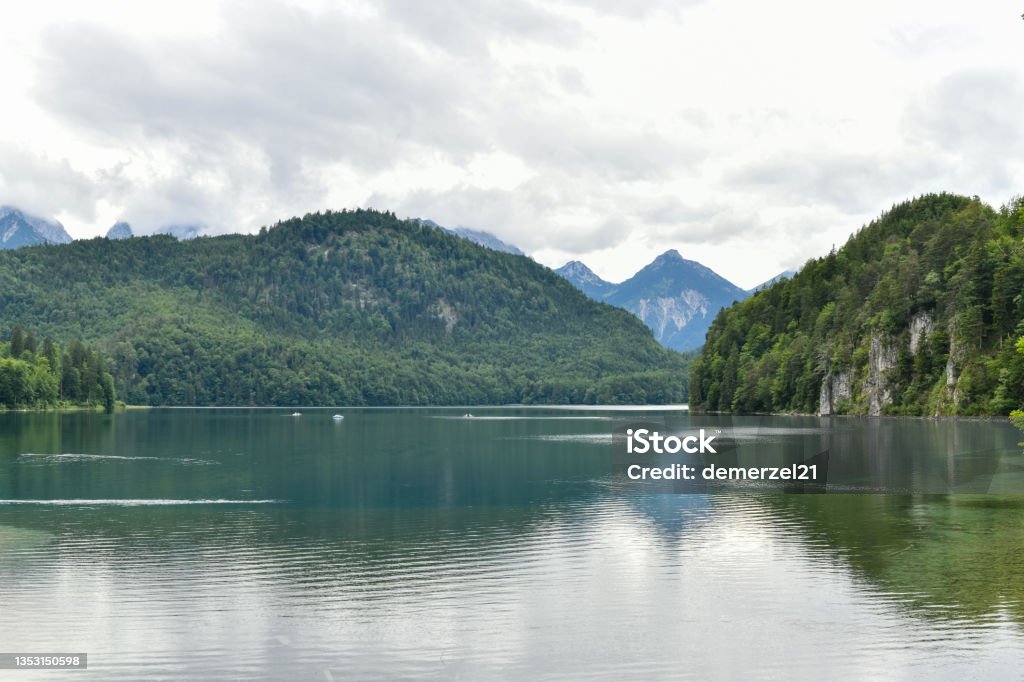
181,232
786,274
675,297
485,239
584,279
18,228
476,236
120,231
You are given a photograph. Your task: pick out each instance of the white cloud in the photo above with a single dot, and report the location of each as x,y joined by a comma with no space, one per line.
973,118
750,136
37,183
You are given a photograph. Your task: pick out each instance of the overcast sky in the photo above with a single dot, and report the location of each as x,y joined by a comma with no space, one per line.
748,135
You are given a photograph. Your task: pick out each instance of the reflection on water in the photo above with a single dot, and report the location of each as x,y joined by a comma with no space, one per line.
400,545
955,556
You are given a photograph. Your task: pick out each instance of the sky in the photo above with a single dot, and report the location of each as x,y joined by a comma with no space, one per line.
749,136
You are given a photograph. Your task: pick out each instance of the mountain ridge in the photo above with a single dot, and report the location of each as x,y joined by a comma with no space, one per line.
352,307
18,228
480,237
675,297
585,279
120,230
785,274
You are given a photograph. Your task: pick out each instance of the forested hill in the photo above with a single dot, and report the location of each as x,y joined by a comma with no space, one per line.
350,308
917,314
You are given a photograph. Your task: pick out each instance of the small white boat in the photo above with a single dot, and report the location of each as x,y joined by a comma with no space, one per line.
468,415
295,414
338,417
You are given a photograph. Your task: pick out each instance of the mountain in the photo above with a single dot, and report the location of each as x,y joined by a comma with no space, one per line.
476,236
18,229
675,297
786,274
350,308
584,279
485,239
119,231
917,314
181,232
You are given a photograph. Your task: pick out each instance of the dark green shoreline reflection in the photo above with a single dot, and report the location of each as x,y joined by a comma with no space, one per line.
951,556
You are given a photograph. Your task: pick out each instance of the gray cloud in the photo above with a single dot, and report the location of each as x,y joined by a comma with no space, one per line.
256,116
974,117
633,9
516,215
284,110
570,143
37,184
468,27
851,183
963,134
674,221
290,83
285,93
670,210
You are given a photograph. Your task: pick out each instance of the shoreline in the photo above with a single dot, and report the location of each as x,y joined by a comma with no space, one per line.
584,407
75,408
856,416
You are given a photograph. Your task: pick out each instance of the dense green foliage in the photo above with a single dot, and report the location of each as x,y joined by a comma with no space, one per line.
1017,416
839,332
354,308
37,376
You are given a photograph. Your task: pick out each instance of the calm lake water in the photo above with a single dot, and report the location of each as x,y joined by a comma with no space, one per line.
239,544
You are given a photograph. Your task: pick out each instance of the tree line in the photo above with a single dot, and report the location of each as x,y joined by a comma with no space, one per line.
42,375
921,309
344,308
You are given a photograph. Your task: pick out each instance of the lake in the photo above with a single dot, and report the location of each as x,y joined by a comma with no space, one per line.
407,543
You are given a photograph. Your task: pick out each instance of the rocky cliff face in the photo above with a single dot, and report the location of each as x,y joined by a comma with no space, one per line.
881,360
667,316
835,389
837,393
954,366
921,327
444,311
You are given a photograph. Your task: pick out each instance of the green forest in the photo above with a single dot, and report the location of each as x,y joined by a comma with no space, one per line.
919,313
335,308
42,375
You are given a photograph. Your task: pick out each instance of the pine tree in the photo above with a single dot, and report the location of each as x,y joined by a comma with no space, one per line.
17,342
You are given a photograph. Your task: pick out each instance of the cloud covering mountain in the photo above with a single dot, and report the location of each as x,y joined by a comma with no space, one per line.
18,229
